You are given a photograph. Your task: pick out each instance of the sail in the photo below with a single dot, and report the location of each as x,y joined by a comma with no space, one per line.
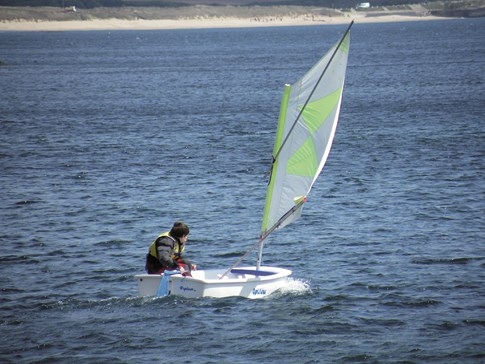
306,127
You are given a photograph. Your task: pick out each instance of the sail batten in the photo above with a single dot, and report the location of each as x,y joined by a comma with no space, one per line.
308,118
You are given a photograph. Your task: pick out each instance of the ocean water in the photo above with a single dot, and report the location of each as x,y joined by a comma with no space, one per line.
108,137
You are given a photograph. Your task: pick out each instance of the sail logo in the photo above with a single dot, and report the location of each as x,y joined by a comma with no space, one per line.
258,292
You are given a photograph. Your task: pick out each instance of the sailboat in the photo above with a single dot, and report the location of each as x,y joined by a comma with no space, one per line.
306,127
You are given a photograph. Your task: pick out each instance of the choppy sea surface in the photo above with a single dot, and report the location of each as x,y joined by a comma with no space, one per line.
108,137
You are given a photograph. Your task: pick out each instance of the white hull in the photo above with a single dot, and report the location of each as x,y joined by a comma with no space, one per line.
244,282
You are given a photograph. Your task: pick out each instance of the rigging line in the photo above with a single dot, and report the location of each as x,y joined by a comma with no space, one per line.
265,235
241,259
313,91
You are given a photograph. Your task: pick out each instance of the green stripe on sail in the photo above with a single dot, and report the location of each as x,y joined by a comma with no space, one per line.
305,162
279,139
345,45
318,111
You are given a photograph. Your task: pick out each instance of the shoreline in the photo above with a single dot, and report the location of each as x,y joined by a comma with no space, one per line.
198,17
167,24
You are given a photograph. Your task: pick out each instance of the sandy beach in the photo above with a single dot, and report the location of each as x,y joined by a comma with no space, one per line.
53,19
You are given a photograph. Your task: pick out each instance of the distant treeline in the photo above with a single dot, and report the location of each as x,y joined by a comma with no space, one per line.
87,4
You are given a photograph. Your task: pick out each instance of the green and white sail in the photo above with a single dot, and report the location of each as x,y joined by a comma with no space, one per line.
308,118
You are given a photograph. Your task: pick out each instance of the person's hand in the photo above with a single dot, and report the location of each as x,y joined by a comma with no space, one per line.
194,267
182,269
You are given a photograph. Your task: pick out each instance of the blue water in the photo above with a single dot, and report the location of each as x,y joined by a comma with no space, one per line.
108,137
